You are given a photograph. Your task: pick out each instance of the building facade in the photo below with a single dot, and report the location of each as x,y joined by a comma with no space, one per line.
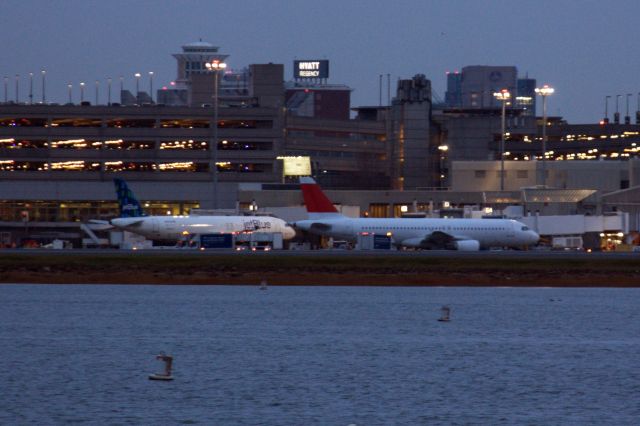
57,162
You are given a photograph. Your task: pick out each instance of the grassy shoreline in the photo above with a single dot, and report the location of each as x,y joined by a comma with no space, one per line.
211,269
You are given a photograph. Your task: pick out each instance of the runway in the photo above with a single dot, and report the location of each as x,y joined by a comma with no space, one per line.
442,254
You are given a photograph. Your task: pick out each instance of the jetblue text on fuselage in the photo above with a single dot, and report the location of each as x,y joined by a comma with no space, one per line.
255,224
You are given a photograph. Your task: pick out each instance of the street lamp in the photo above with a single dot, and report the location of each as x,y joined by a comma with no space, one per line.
44,73
97,91
151,85
137,76
627,117
6,90
503,96
544,91
215,66
109,91
616,116
30,88
81,92
69,87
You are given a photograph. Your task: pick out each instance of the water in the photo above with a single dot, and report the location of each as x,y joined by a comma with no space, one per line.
319,355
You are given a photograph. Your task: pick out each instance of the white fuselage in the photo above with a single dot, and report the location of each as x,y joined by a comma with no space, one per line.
179,227
411,232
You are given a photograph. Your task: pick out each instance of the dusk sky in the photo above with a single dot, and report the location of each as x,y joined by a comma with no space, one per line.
585,49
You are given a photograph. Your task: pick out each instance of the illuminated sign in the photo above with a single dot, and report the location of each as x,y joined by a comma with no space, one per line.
296,166
311,69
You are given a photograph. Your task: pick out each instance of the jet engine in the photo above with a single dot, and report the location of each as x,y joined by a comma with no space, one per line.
467,245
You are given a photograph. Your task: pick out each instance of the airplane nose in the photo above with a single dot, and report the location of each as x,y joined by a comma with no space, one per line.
534,237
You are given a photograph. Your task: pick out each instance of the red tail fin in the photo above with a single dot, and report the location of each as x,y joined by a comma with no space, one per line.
314,198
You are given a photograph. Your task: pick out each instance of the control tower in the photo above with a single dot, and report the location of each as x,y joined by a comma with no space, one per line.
192,61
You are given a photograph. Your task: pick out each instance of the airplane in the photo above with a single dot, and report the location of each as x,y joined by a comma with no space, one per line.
133,219
425,233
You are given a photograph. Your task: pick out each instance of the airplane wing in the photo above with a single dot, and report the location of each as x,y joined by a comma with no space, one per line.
135,224
99,225
440,239
320,227
127,222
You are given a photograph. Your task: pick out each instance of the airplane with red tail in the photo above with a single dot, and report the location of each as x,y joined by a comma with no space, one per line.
426,233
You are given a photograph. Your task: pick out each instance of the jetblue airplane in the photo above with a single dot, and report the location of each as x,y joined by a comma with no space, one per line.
133,219
427,233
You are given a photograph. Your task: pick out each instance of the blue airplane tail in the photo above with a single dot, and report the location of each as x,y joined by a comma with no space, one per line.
129,205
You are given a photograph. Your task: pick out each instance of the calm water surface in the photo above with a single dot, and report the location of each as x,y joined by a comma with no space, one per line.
319,355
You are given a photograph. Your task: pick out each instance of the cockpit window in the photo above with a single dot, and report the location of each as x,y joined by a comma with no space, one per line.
525,228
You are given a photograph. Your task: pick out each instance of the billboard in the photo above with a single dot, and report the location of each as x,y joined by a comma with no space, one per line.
314,68
296,166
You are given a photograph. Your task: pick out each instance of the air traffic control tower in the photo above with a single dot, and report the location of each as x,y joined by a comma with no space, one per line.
191,67
193,58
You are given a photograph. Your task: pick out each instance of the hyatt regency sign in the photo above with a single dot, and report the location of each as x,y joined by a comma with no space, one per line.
311,69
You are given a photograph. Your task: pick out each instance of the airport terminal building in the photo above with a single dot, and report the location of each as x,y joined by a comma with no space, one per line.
57,162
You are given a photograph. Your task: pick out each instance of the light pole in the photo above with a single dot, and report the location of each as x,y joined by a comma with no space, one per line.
503,96
151,85
627,117
70,87
544,91
97,91
215,66
6,90
30,88
17,88
606,109
137,76
109,91
616,115
44,97
81,92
